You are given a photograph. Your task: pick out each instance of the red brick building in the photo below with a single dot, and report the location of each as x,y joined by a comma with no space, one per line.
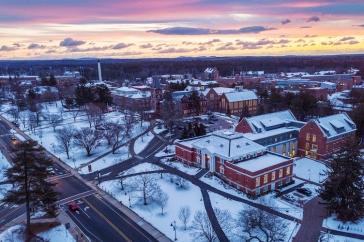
320,138
237,160
213,97
235,102
318,92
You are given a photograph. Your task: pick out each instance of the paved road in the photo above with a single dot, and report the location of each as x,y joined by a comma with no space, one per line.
103,219
95,211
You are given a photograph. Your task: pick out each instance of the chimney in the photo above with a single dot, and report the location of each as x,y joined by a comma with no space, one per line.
99,70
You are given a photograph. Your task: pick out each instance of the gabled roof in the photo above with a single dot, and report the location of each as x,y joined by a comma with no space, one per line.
240,96
265,122
226,144
335,125
219,90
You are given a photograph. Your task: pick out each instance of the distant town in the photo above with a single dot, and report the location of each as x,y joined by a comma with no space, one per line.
253,156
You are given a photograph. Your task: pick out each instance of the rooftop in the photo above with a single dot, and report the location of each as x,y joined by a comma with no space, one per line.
261,162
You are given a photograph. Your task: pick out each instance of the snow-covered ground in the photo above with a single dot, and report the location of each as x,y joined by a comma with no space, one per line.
121,155
310,170
56,234
169,150
4,164
333,223
142,168
143,142
190,197
337,238
46,136
191,170
234,207
159,129
279,204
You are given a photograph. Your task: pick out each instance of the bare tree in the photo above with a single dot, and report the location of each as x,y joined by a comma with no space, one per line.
161,198
14,112
202,228
74,114
54,120
129,125
184,215
64,137
32,121
88,139
23,116
256,225
114,134
146,183
94,114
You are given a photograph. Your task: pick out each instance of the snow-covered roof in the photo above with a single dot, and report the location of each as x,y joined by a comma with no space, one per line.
240,96
261,162
265,122
44,89
335,125
210,70
219,90
131,93
226,144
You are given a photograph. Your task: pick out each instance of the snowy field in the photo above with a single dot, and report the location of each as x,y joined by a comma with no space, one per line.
142,142
159,129
334,224
45,135
121,155
310,170
168,151
191,170
178,197
142,168
277,204
56,234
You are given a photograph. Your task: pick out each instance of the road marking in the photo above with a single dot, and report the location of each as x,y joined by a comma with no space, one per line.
80,224
126,220
58,177
75,197
108,221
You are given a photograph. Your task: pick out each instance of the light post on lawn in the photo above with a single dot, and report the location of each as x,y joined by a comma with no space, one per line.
174,226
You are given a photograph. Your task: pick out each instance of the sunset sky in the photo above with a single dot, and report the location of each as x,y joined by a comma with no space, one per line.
51,29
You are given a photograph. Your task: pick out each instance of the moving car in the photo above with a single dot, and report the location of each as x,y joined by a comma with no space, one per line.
73,206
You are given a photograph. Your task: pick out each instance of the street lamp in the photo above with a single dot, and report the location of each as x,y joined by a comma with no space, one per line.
174,226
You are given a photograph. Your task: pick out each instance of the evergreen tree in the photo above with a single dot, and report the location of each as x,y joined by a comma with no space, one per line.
195,102
28,176
344,188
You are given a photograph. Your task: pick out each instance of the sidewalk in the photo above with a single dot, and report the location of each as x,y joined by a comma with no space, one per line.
313,214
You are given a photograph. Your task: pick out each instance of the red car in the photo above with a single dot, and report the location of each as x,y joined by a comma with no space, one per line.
73,206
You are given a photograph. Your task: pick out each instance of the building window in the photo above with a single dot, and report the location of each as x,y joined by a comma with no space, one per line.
265,178
313,138
314,147
274,149
307,146
257,182
273,175
288,171
222,169
280,173
308,137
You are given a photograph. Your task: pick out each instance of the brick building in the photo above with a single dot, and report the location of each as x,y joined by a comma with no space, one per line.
185,106
237,160
131,98
213,96
319,93
320,138
235,102
277,131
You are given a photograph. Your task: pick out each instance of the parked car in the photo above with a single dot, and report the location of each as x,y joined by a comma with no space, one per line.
304,191
73,206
